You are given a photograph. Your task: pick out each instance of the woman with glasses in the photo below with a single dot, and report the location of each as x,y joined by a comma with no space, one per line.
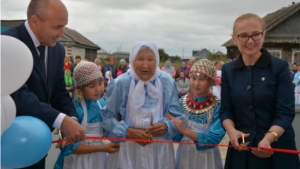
258,106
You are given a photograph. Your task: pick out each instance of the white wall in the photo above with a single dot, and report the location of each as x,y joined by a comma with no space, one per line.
75,51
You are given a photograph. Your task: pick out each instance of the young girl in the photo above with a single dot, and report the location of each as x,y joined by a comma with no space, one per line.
202,125
88,154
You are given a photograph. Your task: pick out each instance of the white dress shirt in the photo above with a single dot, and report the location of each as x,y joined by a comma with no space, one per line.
37,43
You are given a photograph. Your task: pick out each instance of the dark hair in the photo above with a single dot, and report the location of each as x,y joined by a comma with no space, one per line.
295,64
37,7
77,57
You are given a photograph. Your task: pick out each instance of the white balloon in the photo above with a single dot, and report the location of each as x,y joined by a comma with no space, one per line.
16,64
8,112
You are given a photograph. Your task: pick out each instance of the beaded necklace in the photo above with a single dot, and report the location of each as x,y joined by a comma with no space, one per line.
202,111
199,107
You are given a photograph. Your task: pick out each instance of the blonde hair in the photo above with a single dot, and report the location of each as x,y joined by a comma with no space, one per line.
248,16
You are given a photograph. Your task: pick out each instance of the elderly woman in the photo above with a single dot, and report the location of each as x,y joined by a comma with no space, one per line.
142,97
169,68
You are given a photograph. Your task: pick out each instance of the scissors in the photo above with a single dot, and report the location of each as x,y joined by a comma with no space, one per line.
243,144
59,133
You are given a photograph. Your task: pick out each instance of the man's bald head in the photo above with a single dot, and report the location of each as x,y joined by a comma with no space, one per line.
37,7
40,8
47,19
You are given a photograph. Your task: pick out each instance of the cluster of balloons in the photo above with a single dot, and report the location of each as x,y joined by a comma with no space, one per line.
24,139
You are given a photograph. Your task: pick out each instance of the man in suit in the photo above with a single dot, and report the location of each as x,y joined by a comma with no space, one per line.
44,94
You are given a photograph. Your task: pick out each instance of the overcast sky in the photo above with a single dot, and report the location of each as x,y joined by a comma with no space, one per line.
170,24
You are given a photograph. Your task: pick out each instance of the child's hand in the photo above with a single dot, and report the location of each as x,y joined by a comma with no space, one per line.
179,125
111,148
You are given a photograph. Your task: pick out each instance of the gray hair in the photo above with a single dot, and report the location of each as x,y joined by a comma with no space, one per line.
37,7
97,59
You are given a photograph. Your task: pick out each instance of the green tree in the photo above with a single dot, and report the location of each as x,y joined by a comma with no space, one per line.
163,56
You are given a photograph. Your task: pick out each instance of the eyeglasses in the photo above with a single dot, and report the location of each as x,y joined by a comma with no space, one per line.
254,37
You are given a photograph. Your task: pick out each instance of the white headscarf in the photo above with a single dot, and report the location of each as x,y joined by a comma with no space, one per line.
107,77
137,92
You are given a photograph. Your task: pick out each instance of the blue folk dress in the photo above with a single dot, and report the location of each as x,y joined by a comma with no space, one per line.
92,126
131,154
209,130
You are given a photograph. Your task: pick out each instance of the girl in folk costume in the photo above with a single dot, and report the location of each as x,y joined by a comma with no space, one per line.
296,82
217,86
202,125
88,154
67,63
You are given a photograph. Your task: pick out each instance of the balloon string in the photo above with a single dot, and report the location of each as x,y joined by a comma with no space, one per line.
191,143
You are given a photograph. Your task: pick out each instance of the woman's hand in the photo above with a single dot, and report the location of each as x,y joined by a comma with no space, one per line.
111,148
264,143
141,134
179,125
158,130
234,135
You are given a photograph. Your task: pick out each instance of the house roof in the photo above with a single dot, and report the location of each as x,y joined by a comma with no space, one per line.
77,37
273,19
71,35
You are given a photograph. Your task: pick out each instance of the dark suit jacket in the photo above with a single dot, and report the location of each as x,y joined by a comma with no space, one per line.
257,97
42,97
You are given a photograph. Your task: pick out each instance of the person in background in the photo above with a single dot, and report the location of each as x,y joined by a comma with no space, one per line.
296,82
67,63
217,85
77,60
258,102
123,67
181,69
169,68
202,124
111,67
89,154
44,94
108,78
68,80
98,63
183,85
188,69
294,70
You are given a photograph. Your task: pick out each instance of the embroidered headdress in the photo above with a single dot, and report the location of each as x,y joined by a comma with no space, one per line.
203,68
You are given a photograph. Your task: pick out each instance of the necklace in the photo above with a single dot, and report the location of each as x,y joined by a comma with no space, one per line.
199,107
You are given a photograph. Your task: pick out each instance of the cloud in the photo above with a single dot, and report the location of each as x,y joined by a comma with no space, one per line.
172,25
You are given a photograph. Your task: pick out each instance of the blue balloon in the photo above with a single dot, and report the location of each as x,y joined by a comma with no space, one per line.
25,142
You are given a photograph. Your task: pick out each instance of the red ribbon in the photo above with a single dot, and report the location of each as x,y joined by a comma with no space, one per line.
171,142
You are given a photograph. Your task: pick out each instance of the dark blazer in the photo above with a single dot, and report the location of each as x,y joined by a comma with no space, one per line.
257,97
42,97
